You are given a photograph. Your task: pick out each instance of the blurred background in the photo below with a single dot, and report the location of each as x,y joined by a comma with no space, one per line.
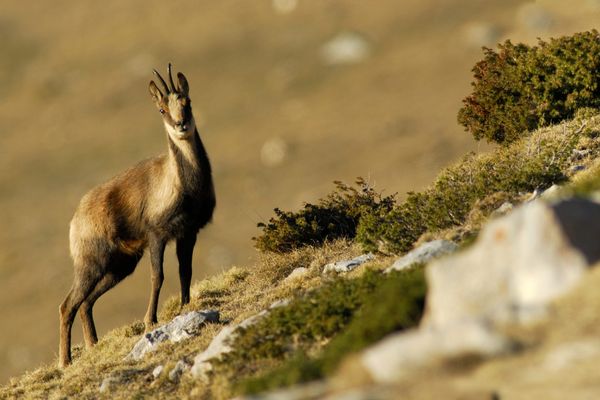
289,94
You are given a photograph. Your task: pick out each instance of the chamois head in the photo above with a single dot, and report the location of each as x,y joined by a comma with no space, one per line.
174,105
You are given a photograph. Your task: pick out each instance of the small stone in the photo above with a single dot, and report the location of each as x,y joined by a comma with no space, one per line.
348,265
423,254
157,371
180,328
220,345
346,48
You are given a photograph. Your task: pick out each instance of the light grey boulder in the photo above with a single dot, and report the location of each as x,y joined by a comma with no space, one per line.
423,254
348,265
397,356
180,328
222,343
519,264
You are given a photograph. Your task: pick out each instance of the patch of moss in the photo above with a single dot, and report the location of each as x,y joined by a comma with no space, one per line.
333,217
520,88
396,304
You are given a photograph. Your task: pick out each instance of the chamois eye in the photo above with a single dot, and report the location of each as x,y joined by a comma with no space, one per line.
162,111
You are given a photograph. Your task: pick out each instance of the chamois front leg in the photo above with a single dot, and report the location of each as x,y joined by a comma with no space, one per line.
185,250
157,250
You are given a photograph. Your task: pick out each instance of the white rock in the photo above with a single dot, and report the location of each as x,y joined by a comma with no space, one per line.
519,263
157,371
348,265
399,355
423,254
220,345
180,328
346,48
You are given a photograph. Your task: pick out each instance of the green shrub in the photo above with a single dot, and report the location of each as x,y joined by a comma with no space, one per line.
520,87
396,304
333,217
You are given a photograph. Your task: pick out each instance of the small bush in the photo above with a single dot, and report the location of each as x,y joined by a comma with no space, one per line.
520,87
396,304
333,217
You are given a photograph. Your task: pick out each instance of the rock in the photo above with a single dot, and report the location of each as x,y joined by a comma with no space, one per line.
397,356
423,254
518,265
221,345
157,371
296,273
504,209
346,48
348,265
180,328
178,370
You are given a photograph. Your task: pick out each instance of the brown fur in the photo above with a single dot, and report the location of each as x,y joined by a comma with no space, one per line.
169,197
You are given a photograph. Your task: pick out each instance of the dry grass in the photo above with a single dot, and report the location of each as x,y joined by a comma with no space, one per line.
237,294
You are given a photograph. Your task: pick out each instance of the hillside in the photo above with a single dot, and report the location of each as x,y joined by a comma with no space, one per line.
323,327
74,110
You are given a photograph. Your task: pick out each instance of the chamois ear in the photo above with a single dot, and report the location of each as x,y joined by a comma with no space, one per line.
155,92
184,88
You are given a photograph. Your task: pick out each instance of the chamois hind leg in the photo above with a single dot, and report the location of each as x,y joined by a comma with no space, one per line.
85,311
157,250
80,290
185,250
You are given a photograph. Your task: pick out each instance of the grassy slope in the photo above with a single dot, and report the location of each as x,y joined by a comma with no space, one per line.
239,293
74,110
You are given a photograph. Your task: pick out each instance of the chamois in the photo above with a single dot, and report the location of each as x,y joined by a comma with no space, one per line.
169,197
